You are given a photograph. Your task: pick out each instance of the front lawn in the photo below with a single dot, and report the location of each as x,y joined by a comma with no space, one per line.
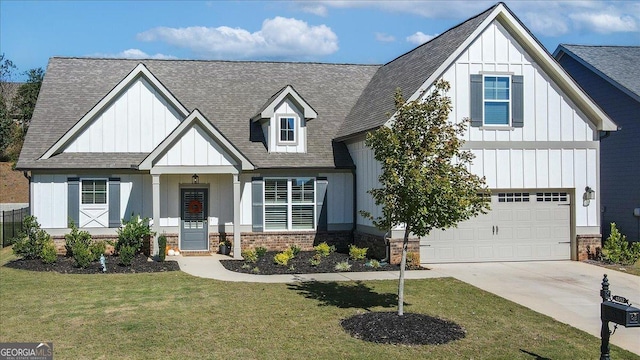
172,315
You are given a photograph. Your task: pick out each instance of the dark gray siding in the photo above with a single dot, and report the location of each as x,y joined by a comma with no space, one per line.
619,153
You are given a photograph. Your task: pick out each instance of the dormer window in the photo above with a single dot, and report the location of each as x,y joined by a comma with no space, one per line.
287,129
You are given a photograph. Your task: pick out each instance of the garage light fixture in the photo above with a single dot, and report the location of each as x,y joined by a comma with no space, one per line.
195,179
589,194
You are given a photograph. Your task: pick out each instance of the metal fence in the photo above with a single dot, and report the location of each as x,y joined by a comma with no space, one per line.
12,224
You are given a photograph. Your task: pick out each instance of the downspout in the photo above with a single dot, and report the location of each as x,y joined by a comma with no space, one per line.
28,177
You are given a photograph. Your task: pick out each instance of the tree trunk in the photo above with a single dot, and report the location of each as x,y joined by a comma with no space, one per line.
403,263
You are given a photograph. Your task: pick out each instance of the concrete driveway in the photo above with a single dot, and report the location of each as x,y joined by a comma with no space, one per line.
568,291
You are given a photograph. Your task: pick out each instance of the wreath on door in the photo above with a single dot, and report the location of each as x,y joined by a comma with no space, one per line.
195,207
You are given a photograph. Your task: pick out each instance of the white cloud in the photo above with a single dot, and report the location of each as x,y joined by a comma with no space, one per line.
282,38
382,37
605,23
419,38
316,9
548,25
134,54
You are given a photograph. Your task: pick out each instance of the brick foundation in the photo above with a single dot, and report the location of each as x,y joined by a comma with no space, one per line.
278,241
378,247
375,244
59,241
395,251
588,245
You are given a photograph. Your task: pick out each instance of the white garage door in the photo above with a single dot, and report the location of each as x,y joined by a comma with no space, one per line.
520,226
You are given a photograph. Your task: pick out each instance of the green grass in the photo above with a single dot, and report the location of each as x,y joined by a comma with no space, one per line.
177,316
633,269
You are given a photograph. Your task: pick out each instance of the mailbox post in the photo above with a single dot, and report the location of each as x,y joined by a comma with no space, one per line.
617,310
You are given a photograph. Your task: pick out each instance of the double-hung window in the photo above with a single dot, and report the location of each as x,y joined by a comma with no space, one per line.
289,204
94,192
497,100
287,129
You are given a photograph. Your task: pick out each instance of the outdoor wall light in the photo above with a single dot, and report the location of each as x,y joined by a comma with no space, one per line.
195,179
589,194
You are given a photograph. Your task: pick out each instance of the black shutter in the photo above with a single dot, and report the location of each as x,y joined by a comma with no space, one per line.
476,100
114,202
257,186
517,93
73,200
321,202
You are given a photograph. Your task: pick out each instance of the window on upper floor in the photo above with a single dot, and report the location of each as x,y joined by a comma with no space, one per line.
287,129
497,100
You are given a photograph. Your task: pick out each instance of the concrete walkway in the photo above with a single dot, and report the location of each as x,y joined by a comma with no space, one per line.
567,291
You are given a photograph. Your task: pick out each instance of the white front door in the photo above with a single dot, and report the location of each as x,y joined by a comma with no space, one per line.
522,225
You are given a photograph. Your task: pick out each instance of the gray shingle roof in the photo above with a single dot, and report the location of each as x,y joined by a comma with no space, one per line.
407,72
621,64
227,93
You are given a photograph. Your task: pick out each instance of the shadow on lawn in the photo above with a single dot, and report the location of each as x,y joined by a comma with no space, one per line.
537,357
344,295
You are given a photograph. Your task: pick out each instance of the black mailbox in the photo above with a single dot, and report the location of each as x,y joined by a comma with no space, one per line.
621,314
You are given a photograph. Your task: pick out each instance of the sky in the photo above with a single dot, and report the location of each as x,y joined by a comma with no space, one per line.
361,32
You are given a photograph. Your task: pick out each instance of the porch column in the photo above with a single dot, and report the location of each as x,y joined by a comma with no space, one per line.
156,212
236,217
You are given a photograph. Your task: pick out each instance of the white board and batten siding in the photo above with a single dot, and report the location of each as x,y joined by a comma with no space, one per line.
50,194
555,150
141,110
196,148
272,134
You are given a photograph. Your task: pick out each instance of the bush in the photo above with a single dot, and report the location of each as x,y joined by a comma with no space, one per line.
261,251
295,250
250,256
374,263
323,249
133,233
356,253
49,255
97,248
282,258
618,250
343,266
315,261
413,260
76,237
162,247
126,255
82,255
31,239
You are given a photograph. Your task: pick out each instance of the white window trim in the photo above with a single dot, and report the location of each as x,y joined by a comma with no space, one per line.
296,129
289,204
484,100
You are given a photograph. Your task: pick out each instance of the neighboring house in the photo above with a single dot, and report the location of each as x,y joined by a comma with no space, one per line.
611,77
272,154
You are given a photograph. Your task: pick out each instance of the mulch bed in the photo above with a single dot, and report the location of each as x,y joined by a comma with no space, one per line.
301,265
65,265
408,329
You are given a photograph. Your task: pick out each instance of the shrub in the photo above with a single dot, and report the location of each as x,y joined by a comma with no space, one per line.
315,260
261,251
162,247
49,254
343,266
289,253
282,258
323,249
126,255
295,250
250,256
82,255
132,234
31,239
413,260
255,270
75,237
618,250
356,253
374,263
97,248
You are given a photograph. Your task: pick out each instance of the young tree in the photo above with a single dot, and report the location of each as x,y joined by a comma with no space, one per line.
425,183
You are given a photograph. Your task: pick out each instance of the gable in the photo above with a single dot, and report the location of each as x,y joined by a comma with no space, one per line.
549,112
137,120
196,148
